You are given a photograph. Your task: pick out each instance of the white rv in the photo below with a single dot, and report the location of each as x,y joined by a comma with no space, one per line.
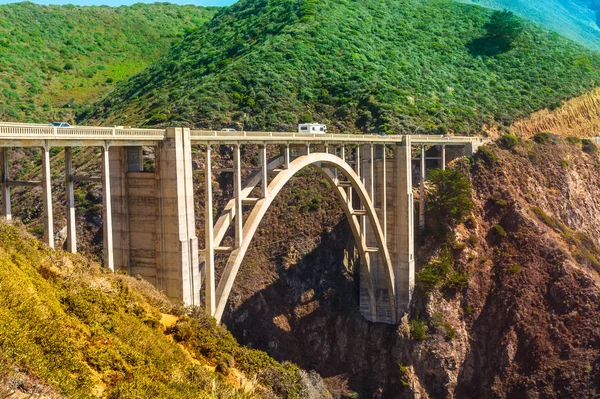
311,128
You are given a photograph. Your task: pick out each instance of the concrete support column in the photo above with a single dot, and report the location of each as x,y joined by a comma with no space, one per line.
70,194
127,222
47,198
107,225
177,247
371,187
307,149
209,236
286,156
264,169
384,190
357,160
6,211
335,170
361,172
192,271
237,192
443,156
405,264
422,189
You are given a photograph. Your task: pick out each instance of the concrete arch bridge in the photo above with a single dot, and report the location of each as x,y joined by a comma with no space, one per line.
149,223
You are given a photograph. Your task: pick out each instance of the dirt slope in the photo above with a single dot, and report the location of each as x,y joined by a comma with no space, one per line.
579,117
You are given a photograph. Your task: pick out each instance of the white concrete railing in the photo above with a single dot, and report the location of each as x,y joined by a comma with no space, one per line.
37,131
24,131
207,135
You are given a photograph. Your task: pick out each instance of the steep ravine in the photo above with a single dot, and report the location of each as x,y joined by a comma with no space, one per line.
526,325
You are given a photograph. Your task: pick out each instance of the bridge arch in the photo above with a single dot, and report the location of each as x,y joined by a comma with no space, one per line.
324,162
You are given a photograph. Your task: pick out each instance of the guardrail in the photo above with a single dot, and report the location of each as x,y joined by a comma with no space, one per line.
207,135
284,135
49,132
44,132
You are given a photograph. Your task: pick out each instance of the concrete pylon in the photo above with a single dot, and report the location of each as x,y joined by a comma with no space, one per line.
107,224
391,179
6,211
209,235
47,198
422,177
404,248
179,244
154,229
70,194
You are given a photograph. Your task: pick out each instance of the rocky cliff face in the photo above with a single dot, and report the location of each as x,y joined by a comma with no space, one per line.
525,324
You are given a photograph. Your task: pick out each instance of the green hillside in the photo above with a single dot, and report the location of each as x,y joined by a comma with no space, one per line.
579,20
393,66
53,59
70,328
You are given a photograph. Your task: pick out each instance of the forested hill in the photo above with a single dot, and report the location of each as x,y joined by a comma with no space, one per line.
370,65
55,58
578,20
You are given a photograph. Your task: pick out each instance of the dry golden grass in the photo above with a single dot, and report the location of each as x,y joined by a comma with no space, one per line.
579,117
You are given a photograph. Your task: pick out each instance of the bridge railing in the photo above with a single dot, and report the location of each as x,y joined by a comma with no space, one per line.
201,135
45,132
292,135
50,132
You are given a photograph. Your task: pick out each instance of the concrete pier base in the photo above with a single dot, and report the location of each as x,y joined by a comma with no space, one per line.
154,230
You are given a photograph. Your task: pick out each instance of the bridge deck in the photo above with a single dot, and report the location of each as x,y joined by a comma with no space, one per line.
26,135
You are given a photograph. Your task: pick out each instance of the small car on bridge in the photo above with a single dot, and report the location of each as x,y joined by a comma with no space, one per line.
60,124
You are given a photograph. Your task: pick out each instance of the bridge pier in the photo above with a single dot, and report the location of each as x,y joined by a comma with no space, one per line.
395,213
47,198
154,233
443,160
70,199
4,177
107,225
403,245
209,234
423,176
237,194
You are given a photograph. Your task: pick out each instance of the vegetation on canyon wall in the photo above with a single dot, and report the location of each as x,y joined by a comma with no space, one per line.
398,66
56,60
69,328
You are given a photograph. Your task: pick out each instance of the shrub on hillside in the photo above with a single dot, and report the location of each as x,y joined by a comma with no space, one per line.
499,231
507,141
486,155
448,200
546,138
418,329
503,29
433,274
589,146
